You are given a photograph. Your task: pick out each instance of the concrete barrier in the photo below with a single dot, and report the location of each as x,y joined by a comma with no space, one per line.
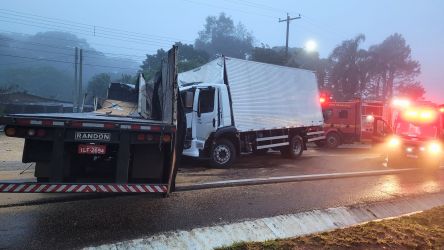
283,226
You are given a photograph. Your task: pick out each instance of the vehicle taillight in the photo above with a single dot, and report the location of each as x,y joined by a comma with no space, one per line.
141,137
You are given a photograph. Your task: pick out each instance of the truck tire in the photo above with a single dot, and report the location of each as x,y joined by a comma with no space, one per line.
295,148
333,140
223,154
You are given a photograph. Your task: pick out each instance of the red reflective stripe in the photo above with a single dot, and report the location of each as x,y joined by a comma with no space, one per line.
24,188
34,188
135,127
109,125
76,124
155,128
77,187
23,122
164,188
108,189
65,189
126,188
45,188
47,122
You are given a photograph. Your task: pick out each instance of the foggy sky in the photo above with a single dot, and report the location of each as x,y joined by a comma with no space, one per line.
327,22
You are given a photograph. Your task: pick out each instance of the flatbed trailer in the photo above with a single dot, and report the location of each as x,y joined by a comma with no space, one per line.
94,152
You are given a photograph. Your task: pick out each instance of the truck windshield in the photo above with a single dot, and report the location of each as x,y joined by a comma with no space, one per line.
423,131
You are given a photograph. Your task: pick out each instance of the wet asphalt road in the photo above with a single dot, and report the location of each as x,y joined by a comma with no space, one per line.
106,219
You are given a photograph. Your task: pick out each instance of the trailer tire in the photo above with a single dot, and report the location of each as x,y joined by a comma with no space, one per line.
333,140
223,154
295,148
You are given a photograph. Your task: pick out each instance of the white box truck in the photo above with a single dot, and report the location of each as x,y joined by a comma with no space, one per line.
234,106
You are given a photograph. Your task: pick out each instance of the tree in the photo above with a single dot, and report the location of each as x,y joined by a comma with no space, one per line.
98,85
394,65
266,54
348,71
413,91
188,58
221,36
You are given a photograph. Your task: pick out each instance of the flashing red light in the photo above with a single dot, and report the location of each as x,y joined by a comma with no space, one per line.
322,100
441,110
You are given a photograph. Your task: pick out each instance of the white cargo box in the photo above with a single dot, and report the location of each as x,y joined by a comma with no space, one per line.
264,96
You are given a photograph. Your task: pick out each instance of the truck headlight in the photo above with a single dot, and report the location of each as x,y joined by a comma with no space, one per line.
394,142
435,147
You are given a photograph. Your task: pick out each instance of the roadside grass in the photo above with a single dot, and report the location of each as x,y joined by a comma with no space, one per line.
418,231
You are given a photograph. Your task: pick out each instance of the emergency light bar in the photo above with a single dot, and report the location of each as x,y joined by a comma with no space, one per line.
419,115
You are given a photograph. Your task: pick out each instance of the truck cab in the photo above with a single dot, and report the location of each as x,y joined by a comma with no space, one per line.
207,111
417,138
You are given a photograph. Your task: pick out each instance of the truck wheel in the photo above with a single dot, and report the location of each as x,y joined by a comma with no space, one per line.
333,140
295,148
223,154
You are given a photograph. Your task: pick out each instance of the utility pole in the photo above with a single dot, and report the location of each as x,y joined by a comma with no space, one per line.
288,19
80,95
75,94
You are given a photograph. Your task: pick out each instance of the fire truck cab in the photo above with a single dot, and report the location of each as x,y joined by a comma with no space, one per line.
417,138
352,121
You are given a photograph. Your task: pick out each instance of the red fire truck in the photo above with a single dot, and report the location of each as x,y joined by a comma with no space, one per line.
349,122
417,137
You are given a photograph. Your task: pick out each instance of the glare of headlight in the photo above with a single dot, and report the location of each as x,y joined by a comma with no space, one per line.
435,147
401,103
394,141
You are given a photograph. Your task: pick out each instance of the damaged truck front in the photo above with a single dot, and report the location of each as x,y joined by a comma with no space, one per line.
130,144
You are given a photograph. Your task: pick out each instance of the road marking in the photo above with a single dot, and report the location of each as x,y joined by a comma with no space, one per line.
292,178
282,226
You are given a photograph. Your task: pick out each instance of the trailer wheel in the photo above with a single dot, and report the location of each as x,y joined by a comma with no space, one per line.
223,154
295,148
333,140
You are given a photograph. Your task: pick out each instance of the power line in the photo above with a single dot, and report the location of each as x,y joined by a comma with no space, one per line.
90,27
70,47
137,41
59,61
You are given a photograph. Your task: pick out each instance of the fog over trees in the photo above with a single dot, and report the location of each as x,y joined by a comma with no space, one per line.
350,71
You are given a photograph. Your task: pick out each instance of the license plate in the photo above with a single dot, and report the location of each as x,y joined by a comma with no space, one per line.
91,149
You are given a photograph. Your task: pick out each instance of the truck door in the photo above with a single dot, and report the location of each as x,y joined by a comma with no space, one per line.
206,115
381,131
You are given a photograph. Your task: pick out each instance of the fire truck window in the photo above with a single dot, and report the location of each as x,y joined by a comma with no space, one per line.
343,114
